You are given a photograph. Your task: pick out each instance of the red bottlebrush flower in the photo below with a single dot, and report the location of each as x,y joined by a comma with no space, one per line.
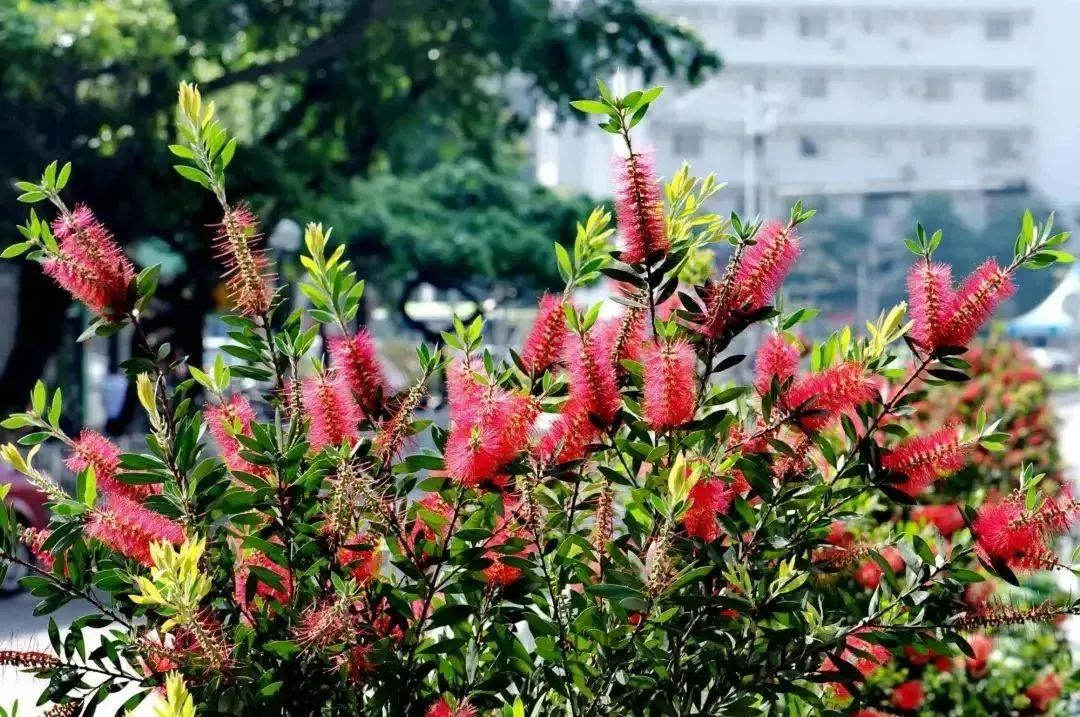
869,573
356,663
592,377
241,573
974,303
670,390
776,358
909,695
332,410
829,393
128,528
638,208
1044,691
93,450
924,459
620,337
839,535
355,357
364,563
544,344
493,428
90,264
227,419
982,646
765,265
569,435
421,530
708,498
1007,532
929,294
865,656
946,518
441,708
246,275
324,624
500,574
34,539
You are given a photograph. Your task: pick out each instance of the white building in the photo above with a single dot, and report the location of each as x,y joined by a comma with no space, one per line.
862,101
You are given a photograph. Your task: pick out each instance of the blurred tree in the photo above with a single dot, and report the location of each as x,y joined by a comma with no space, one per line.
321,92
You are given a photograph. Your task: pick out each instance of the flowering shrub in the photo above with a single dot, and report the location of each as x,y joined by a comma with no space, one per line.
606,525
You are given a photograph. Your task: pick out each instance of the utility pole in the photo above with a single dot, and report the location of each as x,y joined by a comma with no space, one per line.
760,115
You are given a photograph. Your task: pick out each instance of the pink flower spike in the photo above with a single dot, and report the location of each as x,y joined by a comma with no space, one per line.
544,344
974,303
592,377
638,208
765,265
776,358
246,269
924,459
332,410
222,419
128,528
357,361
669,384
829,393
929,294
1007,532
708,498
90,265
93,450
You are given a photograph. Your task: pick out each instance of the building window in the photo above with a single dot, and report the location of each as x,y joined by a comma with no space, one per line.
1002,147
999,27
749,23
999,88
686,142
813,85
808,147
811,24
937,88
876,205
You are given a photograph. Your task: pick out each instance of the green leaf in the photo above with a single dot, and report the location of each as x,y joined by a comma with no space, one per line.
192,174
590,107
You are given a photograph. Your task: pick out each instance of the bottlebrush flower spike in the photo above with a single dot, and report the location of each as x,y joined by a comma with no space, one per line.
394,431
924,459
829,393
592,377
544,344
776,358
364,563
708,498
1044,691
421,530
982,646
332,410
241,573
441,708
974,303
489,434
90,264
765,265
669,384
222,419
128,528
246,271
638,208
621,337
865,656
929,296
1008,532
869,573
357,361
34,539
569,435
28,659
93,450
909,695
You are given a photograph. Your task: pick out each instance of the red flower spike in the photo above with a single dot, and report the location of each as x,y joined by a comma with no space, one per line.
869,573
909,695
592,377
242,571
34,539
544,344
90,265
829,393
638,208
1007,532
1044,691
669,384
421,530
974,303
246,273
332,410
776,358
492,428
441,708
569,435
128,528
500,574
764,266
868,659
222,419
621,337
929,295
357,361
708,498
364,564
979,665
924,459
93,450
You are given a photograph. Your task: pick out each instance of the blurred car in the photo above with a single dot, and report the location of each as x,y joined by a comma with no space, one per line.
30,511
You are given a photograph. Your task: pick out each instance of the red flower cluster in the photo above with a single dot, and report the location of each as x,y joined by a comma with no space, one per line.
241,573
708,498
357,362
441,708
909,695
34,539
924,459
128,528
90,264
621,337
670,388
438,506
865,656
246,273
1044,691
500,574
332,410
946,517
491,427
639,211
93,450
982,646
823,396
225,420
775,358
1007,532
544,344
944,317
869,573
364,563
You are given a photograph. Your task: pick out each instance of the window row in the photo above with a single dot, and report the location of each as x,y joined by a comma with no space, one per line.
815,23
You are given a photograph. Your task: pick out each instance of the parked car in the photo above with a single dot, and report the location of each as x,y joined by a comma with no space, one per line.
30,510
